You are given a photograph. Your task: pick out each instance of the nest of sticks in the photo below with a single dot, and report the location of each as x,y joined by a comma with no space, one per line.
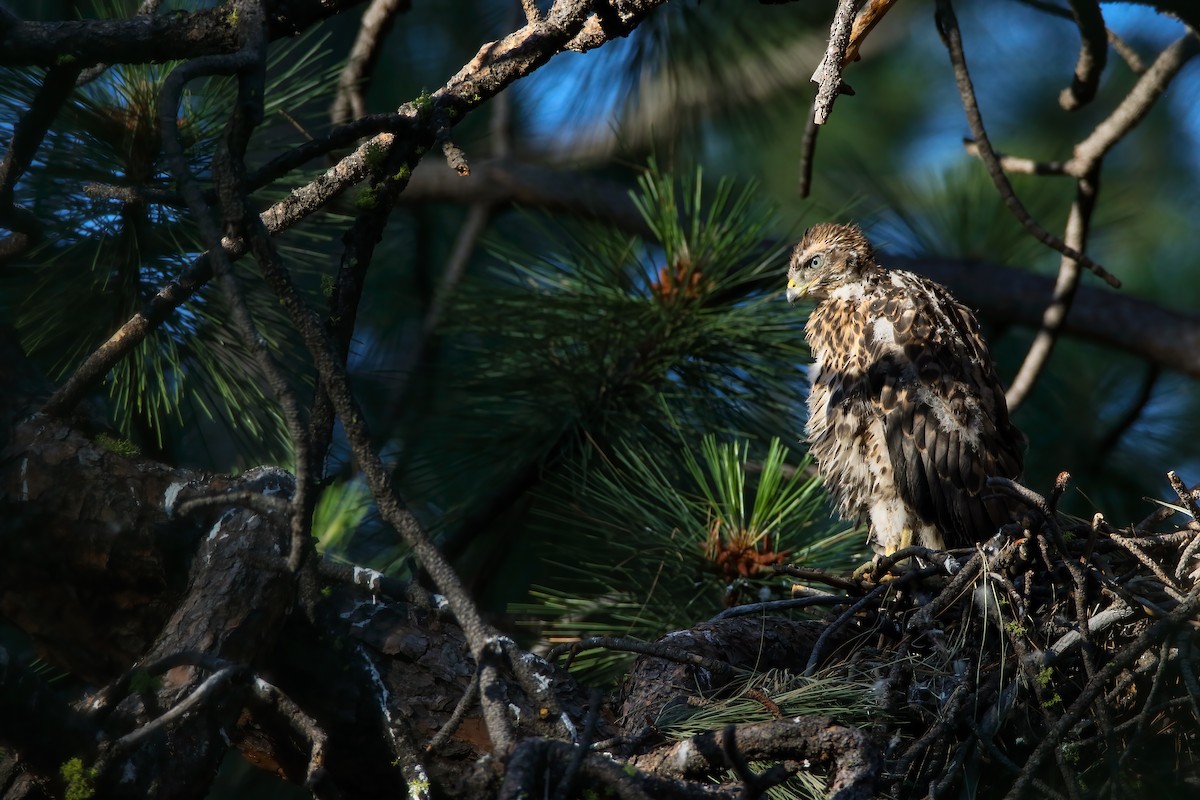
1058,660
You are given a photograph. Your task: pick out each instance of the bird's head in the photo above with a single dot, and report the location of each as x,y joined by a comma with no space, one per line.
828,256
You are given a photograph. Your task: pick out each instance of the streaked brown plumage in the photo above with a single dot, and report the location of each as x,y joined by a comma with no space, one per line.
907,418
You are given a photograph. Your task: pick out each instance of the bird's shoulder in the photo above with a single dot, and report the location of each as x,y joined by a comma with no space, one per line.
918,323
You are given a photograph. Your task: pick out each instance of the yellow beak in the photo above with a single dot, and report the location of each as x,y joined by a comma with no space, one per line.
795,290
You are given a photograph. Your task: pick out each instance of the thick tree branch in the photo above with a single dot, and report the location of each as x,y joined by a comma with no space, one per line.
856,759
1162,336
151,38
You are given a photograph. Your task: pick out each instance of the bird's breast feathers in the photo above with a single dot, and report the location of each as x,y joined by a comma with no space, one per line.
907,417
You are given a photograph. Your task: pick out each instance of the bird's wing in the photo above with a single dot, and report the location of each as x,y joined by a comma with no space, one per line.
943,408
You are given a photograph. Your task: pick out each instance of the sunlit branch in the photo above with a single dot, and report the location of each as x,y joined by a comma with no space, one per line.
828,75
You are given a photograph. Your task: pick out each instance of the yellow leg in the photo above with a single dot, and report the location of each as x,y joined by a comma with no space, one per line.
905,540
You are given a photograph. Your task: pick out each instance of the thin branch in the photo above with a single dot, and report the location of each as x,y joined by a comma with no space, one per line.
1186,496
28,133
1122,660
1135,105
1003,760
213,688
1055,314
808,150
566,786
1132,414
772,606
1093,54
1118,612
924,617
494,67
1187,669
948,716
1127,53
1018,165
281,216
373,28
1143,716
1168,583
465,703
230,171
828,75
306,727
809,574
814,657
943,559
754,785
107,699
248,63
332,372
952,38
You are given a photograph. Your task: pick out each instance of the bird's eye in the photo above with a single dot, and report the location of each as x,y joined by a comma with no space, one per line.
813,262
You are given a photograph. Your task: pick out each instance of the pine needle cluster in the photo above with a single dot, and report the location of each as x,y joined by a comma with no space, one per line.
118,233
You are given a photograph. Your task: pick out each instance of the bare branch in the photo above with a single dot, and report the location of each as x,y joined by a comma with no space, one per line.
1134,107
952,37
212,689
374,26
1055,315
808,150
304,725
1093,53
864,24
1122,660
495,66
28,134
828,75
856,760
1018,165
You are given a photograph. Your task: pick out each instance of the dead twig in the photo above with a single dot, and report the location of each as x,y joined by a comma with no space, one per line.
828,75
1055,314
373,28
1093,54
952,38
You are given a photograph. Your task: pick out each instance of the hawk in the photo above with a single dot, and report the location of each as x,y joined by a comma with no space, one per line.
906,416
